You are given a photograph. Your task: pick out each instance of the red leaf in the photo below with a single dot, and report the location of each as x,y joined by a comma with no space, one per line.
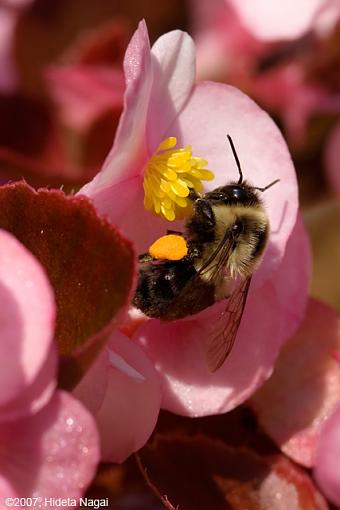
25,124
124,486
88,263
201,473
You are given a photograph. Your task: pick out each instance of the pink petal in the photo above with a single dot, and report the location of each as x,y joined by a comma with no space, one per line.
327,458
293,405
284,90
174,72
128,151
9,11
35,395
166,76
51,454
224,46
272,313
124,202
83,93
285,20
92,388
126,386
6,491
215,110
27,318
8,76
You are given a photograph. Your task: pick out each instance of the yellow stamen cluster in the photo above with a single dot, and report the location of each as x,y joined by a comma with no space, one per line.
168,177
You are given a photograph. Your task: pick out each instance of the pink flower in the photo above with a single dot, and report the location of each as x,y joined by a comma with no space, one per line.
285,90
226,50
122,391
288,20
327,458
305,386
279,75
84,93
49,443
7,68
90,82
299,405
8,16
162,101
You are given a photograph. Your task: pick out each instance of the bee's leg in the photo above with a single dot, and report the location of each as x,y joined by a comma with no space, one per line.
202,223
193,195
144,257
204,213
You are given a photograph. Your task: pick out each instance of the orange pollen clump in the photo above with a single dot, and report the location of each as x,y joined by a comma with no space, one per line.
170,247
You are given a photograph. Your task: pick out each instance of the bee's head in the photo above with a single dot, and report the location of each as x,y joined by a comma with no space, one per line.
234,194
237,193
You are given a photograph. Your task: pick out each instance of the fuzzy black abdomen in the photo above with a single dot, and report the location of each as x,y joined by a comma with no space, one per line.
170,290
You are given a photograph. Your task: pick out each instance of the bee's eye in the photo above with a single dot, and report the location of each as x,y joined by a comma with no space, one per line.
237,192
238,227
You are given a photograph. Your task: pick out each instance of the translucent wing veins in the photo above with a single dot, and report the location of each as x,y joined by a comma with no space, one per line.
224,333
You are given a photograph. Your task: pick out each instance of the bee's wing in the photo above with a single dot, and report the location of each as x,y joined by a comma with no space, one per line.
217,261
224,333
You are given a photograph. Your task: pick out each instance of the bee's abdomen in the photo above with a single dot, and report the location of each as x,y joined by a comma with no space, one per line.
164,290
158,285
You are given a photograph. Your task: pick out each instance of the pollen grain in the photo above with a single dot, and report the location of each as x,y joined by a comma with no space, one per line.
169,247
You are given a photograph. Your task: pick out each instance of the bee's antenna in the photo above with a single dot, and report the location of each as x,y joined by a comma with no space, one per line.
268,185
236,159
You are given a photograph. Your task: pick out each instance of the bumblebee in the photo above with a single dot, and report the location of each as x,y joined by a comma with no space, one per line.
225,239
